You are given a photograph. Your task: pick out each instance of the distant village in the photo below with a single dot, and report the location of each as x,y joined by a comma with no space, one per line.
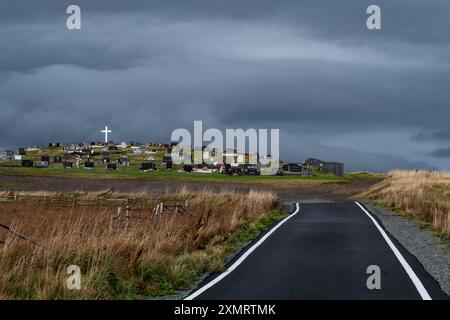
148,158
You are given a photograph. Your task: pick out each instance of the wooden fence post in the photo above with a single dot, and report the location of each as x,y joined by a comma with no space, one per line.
111,223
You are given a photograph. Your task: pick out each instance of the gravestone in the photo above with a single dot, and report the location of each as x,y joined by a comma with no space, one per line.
89,165
27,163
68,165
112,166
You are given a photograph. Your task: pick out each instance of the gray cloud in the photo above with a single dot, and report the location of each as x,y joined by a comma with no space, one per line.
441,153
432,135
308,68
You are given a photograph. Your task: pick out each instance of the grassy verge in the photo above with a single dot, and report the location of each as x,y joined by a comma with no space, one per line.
126,259
419,195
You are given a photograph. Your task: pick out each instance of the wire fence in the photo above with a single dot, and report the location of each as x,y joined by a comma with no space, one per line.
148,209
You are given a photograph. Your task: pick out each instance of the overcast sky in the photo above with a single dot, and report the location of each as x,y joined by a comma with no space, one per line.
375,100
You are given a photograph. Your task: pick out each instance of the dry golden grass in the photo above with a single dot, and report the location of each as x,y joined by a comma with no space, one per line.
121,259
417,194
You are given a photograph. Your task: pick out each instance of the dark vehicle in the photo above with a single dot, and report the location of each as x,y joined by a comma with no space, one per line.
187,168
232,171
225,168
252,171
147,166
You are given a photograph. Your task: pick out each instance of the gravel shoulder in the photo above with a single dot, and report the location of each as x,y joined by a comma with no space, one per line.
434,256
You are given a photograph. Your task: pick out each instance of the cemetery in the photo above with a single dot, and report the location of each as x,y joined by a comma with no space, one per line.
151,160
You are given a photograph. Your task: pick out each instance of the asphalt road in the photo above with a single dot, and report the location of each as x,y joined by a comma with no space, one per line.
322,252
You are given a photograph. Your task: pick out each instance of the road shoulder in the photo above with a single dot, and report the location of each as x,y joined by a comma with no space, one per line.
434,256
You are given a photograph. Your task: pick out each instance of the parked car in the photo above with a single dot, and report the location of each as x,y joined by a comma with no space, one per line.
147,166
252,171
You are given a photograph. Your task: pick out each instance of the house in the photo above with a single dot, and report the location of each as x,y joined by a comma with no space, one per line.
335,168
123,145
297,169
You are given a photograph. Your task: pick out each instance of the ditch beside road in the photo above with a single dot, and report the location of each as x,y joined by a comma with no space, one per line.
288,192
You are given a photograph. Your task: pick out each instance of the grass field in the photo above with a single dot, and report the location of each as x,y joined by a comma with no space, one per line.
130,258
422,195
134,173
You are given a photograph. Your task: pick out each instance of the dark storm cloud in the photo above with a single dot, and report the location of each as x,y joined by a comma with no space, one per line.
437,135
307,67
441,153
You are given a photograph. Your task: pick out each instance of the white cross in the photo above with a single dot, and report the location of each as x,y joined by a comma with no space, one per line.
106,131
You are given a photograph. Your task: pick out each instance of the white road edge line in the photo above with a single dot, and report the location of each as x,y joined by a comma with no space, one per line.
241,258
416,281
